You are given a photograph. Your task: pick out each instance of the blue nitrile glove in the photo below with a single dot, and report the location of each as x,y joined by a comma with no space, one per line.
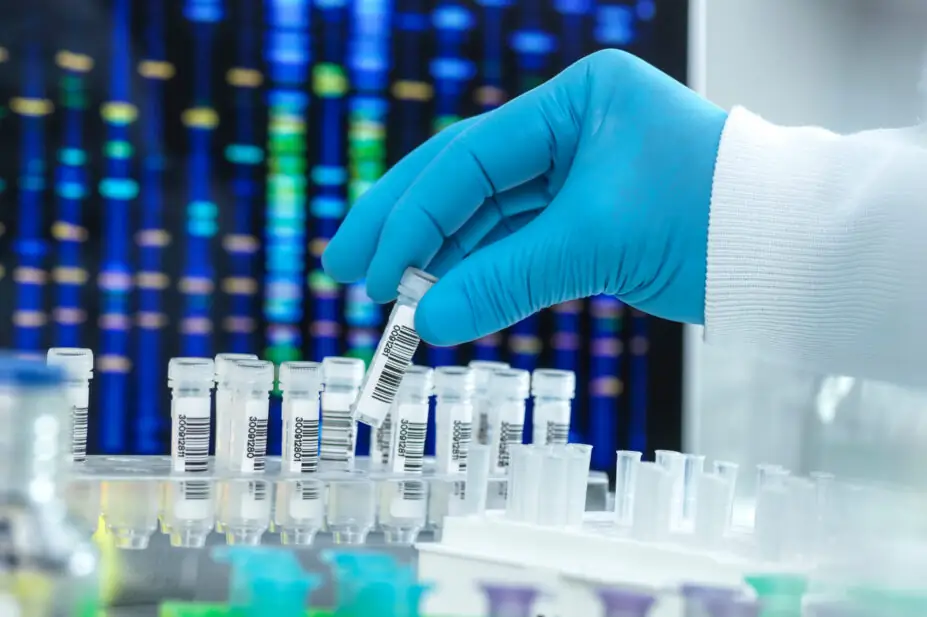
597,181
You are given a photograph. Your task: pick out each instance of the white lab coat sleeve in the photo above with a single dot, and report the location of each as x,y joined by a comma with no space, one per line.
817,249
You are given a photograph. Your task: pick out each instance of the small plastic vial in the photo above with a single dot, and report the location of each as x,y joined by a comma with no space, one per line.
252,381
508,389
553,392
394,353
301,383
224,362
407,451
343,377
77,365
482,371
190,381
453,418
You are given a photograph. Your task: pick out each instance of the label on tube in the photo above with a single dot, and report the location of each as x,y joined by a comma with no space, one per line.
455,429
551,424
381,441
510,417
190,434
389,364
301,435
337,443
252,437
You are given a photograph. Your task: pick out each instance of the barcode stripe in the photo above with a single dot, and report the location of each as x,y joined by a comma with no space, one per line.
193,443
403,343
337,436
257,442
460,446
308,490
509,434
195,491
79,423
308,432
557,433
411,448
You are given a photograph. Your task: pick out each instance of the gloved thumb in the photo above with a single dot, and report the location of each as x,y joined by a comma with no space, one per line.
499,285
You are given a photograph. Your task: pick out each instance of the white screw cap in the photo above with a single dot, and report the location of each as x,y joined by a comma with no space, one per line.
553,383
300,377
76,363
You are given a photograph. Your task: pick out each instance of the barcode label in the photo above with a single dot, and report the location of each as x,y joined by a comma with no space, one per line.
256,448
410,445
195,491
557,433
413,490
460,444
193,443
79,422
509,434
401,343
307,490
337,436
306,444
257,491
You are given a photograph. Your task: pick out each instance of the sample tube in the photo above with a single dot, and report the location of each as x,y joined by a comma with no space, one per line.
189,512
244,510
553,392
580,456
394,352
380,440
453,418
77,365
479,462
299,511
407,450
618,602
510,600
252,381
190,381
482,371
554,488
224,362
729,472
301,383
343,377
653,502
508,389
712,513
625,486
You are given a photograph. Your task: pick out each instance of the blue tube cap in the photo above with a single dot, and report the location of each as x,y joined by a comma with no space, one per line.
15,372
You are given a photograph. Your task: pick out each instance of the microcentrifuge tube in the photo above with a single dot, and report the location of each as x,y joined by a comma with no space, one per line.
553,392
301,383
190,381
224,362
350,510
580,456
130,512
482,371
524,482
618,602
189,512
625,486
653,502
478,465
299,511
554,490
453,386
343,377
674,464
728,471
692,467
252,381
712,516
510,600
394,352
244,511
508,389
77,365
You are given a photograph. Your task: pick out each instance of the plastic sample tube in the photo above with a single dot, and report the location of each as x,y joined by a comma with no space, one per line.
618,602
527,467
692,467
553,392
625,486
77,365
394,352
301,383
553,491
713,510
580,456
729,471
453,387
252,381
189,513
224,362
130,510
343,377
508,389
191,381
510,600
410,421
653,502
244,511
300,510
674,463
478,465
482,371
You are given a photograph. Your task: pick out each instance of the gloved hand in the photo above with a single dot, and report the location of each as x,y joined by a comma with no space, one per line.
597,181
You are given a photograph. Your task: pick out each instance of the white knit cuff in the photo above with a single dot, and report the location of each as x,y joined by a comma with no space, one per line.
814,244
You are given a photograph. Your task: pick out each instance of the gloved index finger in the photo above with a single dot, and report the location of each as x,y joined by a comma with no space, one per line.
504,149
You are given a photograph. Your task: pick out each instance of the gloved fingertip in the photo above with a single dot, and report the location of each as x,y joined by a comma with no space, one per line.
442,319
380,291
341,265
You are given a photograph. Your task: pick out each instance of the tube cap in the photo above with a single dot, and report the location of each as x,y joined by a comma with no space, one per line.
191,370
257,374
415,283
15,372
483,370
418,380
300,377
511,382
226,360
454,380
77,363
341,371
553,383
